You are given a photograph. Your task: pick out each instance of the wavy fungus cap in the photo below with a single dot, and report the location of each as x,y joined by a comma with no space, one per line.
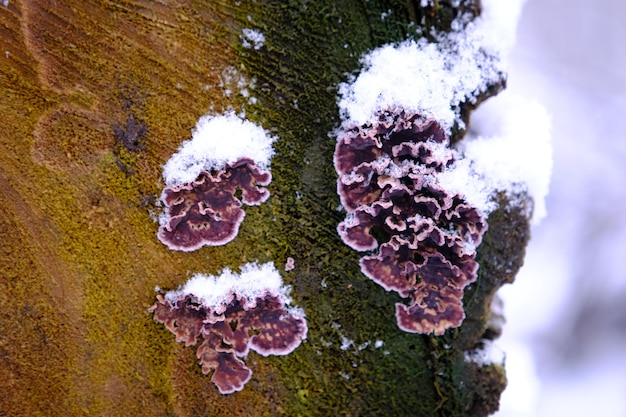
206,211
425,236
233,313
226,153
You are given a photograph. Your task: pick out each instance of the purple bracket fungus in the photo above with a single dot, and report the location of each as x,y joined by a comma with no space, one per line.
426,237
206,211
224,155
232,314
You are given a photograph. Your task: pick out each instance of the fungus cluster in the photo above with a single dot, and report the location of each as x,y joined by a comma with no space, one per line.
426,236
232,314
226,155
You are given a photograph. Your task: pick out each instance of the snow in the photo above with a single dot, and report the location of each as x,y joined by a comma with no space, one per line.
254,280
346,343
433,79
509,148
462,179
216,141
514,146
252,38
489,354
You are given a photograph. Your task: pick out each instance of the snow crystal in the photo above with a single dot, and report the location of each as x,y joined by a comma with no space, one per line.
346,343
489,354
233,81
254,280
216,141
433,79
252,38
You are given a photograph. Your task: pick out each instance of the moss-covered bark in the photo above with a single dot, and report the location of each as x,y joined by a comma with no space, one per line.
79,259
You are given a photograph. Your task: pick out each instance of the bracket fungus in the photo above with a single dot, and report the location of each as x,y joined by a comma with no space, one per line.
426,237
206,211
232,314
224,155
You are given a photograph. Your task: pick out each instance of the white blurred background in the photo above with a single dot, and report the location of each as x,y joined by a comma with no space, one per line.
565,338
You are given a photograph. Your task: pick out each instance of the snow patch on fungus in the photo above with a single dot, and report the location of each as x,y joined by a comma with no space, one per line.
224,155
233,314
425,235
217,141
434,78
215,292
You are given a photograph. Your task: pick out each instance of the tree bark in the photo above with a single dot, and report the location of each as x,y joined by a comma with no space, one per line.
80,81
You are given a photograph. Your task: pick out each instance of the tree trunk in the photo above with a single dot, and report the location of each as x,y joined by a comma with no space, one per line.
79,183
